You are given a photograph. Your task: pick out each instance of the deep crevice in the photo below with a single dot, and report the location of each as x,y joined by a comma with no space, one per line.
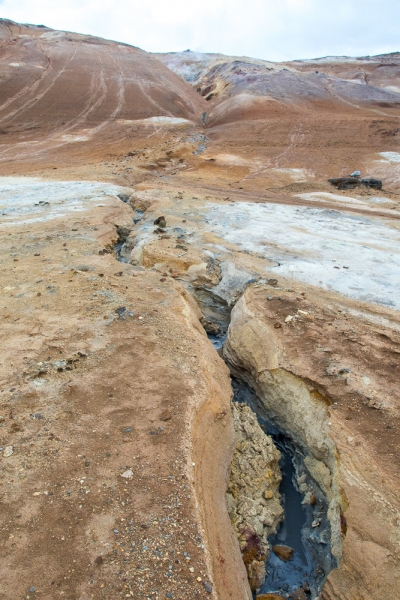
305,527
312,559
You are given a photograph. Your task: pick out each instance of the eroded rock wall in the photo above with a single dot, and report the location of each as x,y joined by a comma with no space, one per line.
289,366
253,497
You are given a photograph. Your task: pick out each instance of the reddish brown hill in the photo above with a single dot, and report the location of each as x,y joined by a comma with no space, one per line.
59,88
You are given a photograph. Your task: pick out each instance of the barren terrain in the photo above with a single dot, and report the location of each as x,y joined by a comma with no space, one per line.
116,428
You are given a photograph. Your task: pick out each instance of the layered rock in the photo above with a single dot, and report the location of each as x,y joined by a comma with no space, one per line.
253,497
313,392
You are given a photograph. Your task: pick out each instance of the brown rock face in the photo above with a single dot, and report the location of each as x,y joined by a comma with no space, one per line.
307,401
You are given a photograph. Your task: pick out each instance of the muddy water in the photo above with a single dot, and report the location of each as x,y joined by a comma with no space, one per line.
312,559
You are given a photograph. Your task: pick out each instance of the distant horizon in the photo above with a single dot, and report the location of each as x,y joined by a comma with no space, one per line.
314,58
293,30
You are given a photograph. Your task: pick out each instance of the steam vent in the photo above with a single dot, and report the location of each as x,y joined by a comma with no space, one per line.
200,326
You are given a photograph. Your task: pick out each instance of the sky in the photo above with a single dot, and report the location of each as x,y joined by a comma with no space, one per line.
268,29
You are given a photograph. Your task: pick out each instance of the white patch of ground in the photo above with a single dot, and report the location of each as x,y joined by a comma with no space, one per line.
392,88
166,120
367,202
393,157
74,138
308,243
26,200
296,174
317,196
233,160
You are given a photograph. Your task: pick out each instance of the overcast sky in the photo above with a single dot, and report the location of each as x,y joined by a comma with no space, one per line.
269,29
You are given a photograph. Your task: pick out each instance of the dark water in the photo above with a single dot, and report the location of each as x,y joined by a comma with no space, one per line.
312,559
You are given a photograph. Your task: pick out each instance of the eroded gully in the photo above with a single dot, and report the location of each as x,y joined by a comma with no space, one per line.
305,527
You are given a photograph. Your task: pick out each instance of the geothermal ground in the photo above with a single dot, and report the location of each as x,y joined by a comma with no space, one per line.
166,225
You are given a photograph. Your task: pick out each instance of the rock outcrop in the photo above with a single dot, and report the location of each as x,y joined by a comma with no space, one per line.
312,392
253,497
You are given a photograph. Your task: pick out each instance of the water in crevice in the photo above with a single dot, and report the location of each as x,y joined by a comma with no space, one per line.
305,527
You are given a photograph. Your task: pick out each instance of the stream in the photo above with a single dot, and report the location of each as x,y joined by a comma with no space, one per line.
312,559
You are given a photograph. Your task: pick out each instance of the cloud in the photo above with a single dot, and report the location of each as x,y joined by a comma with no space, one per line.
267,29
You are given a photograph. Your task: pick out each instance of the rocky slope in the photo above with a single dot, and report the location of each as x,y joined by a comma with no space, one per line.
116,430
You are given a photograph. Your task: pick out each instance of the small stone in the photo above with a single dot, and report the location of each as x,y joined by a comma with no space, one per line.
8,451
270,297
32,590
207,586
191,569
161,222
165,415
272,281
316,523
278,325
99,560
283,552
268,494
313,499
127,474
289,318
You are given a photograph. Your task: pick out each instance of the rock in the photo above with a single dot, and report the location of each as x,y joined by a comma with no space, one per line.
161,222
210,327
8,451
355,174
345,183
298,594
165,415
127,474
139,204
207,586
256,574
272,282
283,552
372,183
316,523
254,473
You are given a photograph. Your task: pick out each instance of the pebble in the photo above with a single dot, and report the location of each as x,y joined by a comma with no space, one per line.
316,523
8,451
128,474
165,415
207,586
